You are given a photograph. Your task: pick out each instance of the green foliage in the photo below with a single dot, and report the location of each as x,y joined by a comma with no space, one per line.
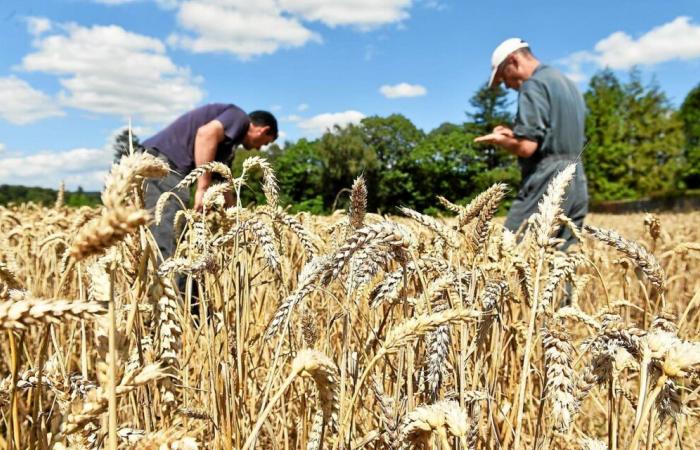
344,154
490,108
444,163
689,114
121,144
634,140
299,171
392,139
23,194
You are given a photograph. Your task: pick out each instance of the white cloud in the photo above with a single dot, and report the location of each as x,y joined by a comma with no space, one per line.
247,29
2,147
240,27
402,90
678,39
275,108
108,70
38,25
84,167
364,14
21,104
324,122
302,107
292,118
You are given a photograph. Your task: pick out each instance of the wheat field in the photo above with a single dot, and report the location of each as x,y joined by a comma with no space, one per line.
344,332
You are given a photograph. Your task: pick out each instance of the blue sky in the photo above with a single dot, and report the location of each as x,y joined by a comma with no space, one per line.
73,71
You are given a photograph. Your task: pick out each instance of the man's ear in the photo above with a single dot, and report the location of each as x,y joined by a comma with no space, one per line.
264,130
515,60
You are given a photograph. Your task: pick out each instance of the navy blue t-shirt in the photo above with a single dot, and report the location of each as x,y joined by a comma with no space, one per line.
176,141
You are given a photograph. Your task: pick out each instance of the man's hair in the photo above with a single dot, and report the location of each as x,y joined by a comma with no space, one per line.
265,119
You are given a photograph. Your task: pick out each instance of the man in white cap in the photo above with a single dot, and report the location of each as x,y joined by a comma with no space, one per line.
548,133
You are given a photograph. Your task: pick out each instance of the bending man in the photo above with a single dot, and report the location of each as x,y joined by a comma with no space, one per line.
208,133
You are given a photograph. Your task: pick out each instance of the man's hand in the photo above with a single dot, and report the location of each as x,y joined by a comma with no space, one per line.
499,136
505,138
493,138
198,199
500,129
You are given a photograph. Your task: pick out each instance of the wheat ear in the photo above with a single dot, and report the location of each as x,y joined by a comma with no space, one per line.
638,254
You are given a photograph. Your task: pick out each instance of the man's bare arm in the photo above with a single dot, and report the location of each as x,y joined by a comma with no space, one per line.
523,148
205,144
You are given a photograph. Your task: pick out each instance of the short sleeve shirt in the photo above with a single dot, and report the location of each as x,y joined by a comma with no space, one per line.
551,112
176,141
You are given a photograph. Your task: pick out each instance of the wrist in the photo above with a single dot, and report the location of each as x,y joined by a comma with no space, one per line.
203,182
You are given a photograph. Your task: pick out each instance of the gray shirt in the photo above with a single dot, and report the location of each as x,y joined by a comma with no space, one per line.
551,112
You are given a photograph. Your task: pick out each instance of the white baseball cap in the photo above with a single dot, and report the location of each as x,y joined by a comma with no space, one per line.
504,49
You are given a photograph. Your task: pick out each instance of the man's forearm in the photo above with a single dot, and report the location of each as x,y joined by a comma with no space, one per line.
204,152
522,148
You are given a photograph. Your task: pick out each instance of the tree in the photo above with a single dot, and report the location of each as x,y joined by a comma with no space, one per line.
689,114
444,163
344,154
490,108
121,144
633,139
299,170
392,139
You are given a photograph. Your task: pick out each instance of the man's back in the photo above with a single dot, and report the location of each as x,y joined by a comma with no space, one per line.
551,111
176,141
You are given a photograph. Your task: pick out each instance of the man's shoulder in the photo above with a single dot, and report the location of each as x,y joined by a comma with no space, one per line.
547,74
544,77
221,107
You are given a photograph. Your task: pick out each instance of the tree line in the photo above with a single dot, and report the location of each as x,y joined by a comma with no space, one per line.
638,145
43,196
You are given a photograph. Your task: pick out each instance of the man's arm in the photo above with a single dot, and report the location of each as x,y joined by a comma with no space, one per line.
504,137
205,144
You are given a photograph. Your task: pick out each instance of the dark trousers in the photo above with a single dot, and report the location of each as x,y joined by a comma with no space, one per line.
164,233
574,204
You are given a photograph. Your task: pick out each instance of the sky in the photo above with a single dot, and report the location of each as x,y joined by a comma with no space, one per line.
73,73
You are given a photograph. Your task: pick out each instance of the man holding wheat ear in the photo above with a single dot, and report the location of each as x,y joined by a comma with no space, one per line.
548,133
208,133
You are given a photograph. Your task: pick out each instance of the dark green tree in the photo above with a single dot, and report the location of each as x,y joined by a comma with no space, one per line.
634,139
344,154
299,170
444,163
689,114
121,144
490,108
392,139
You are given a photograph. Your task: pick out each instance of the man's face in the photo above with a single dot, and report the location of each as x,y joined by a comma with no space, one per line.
511,72
257,137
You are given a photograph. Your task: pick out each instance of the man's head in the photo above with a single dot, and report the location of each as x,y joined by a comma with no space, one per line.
512,63
262,130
